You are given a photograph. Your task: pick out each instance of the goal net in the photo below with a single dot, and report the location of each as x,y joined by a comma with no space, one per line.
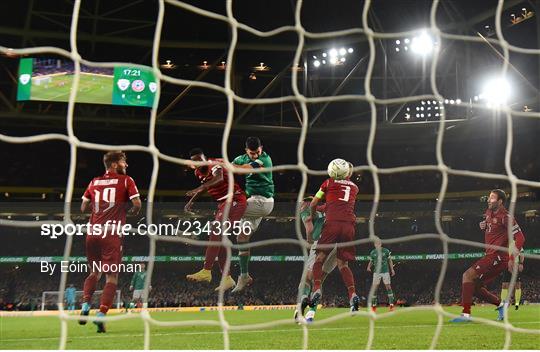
50,300
370,97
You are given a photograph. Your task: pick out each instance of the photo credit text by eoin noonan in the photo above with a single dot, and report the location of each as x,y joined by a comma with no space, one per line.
181,227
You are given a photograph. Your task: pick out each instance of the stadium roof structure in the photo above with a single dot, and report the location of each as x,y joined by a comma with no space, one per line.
124,30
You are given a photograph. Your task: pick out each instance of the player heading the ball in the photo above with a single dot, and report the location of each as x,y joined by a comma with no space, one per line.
339,228
107,197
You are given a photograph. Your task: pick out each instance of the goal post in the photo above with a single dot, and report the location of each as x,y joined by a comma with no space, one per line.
50,298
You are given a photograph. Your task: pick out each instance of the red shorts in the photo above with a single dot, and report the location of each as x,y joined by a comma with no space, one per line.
490,266
236,211
104,252
338,232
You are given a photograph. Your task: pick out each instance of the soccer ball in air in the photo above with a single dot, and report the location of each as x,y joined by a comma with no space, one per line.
338,169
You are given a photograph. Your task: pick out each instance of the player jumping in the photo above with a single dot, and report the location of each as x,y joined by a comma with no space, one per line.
108,197
260,202
384,272
215,181
494,261
313,232
339,227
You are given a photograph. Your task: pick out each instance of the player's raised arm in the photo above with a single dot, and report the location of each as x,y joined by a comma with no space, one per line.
217,172
318,196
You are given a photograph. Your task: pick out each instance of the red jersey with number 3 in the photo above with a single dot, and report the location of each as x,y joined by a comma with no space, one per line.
340,199
110,196
219,191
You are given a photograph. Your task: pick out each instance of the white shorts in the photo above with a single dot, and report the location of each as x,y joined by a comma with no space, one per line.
257,208
137,294
378,276
329,264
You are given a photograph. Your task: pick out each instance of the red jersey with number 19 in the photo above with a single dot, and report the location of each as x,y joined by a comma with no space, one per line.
340,199
110,195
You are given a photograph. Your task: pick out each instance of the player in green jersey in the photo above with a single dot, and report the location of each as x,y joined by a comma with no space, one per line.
384,272
313,233
260,203
137,286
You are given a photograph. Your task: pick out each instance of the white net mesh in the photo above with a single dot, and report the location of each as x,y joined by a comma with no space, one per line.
303,101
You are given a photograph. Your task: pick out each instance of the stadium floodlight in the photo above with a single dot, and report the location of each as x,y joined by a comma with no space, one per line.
496,91
458,101
422,44
324,54
333,60
342,51
452,101
342,59
316,63
350,50
398,42
397,49
333,52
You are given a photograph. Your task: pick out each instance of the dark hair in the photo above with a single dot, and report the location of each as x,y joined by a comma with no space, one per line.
252,143
500,194
195,151
113,157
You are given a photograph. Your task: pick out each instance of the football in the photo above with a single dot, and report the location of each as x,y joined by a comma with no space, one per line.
338,169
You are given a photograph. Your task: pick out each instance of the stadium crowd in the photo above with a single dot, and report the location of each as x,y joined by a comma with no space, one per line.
414,284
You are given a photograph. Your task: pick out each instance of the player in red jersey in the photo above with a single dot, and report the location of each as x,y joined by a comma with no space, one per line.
108,198
214,180
495,261
339,227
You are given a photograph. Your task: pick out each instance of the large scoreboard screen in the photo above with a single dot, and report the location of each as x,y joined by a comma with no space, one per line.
46,79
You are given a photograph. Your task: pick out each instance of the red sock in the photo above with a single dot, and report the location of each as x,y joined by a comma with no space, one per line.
348,280
89,287
467,290
107,297
482,292
317,276
222,259
211,253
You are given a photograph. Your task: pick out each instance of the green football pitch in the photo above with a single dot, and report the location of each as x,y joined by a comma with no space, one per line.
94,89
406,330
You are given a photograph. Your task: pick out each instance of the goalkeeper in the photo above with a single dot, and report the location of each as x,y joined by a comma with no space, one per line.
70,297
260,203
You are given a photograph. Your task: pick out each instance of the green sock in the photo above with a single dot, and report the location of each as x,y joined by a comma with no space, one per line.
390,297
307,290
244,261
314,309
374,301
